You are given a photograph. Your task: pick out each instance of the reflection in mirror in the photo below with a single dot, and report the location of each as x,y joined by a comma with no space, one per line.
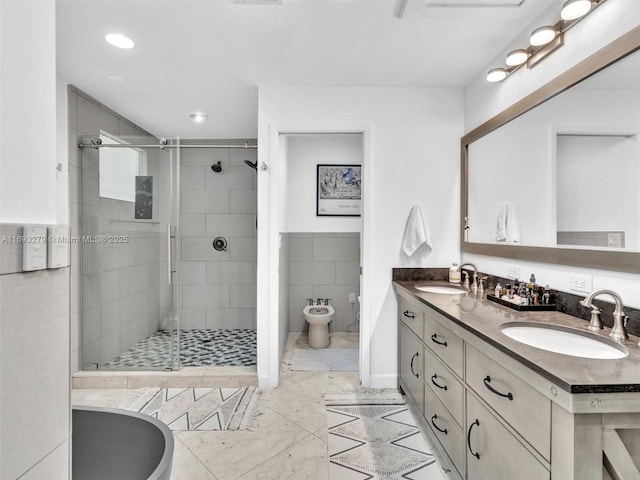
565,173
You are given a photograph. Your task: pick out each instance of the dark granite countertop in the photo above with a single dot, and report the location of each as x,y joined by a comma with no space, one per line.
483,318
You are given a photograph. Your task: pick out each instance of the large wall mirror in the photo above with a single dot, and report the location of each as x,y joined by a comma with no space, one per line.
556,177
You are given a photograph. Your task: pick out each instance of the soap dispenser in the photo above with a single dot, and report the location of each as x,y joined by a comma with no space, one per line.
454,273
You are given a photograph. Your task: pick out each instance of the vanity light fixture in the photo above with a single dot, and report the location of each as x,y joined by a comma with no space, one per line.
119,41
198,117
542,35
496,74
573,9
517,57
544,40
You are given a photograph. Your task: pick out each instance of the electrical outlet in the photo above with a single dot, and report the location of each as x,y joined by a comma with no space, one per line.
580,283
352,298
512,272
614,240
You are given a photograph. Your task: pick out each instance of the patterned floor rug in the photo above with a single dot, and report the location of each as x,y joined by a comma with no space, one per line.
324,359
368,440
196,408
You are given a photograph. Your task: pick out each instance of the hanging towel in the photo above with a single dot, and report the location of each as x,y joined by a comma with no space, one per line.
416,233
507,230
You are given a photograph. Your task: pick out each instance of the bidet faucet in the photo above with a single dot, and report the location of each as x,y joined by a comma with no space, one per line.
474,285
618,332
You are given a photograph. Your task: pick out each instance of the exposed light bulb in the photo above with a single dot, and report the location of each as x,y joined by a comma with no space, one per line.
496,75
199,117
517,57
119,41
542,35
573,9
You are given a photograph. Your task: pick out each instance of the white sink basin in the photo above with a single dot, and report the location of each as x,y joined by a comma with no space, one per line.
565,340
442,289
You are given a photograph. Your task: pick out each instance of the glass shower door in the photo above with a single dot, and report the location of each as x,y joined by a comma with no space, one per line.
129,213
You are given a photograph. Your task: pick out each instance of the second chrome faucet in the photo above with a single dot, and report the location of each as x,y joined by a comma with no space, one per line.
619,331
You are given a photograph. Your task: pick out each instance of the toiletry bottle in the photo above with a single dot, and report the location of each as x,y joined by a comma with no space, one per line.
498,289
546,296
454,273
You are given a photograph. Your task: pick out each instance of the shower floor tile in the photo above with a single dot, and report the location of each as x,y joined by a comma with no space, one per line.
198,348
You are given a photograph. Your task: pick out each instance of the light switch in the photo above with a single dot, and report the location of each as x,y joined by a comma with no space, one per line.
58,247
34,248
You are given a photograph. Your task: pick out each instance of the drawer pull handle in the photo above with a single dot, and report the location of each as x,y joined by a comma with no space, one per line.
412,359
475,454
433,380
487,381
442,430
434,338
408,314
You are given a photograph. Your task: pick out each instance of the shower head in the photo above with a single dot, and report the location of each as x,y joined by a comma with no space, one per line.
216,167
252,164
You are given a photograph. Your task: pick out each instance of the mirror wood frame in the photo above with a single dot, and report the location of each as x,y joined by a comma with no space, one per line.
605,260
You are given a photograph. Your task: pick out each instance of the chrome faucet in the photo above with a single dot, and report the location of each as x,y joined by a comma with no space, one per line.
618,332
474,285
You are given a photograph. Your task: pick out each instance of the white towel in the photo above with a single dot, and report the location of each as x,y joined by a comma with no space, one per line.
507,230
416,233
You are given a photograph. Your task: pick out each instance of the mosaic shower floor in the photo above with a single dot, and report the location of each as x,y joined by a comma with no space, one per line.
198,348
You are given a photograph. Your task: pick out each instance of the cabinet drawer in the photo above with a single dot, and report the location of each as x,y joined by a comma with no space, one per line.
445,344
524,408
411,364
444,428
413,317
444,385
493,453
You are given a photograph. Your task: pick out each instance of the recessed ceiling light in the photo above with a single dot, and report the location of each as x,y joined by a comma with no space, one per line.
115,79
517,57
496,75
542,35
199,117
119,41
573,9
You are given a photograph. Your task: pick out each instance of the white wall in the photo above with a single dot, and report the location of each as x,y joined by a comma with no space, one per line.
411,154
28,190
484,100
34,307
304,153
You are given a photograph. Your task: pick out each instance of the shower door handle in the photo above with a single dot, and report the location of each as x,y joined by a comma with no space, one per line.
169,265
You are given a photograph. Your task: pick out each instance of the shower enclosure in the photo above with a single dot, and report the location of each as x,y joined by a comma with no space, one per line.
136,312
128,248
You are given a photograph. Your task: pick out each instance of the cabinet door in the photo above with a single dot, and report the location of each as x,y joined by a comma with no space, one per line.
411,364
523,407
493,453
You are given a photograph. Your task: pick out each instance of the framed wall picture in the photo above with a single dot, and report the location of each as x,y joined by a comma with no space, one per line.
339,190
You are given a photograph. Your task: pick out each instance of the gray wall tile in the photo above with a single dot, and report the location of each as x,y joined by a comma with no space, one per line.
239,155
205,296
219,318
231,273
192,224
243,249
204,156
230,178
204,201
314,273
242,201
347,273
193,318
193,273
231,225
300,249
336,249
192,178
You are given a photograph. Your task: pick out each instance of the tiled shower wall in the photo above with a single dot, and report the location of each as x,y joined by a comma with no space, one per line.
325,265
122,284
218,287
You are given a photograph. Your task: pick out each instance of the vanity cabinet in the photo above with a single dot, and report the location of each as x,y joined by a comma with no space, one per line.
411,364
490,423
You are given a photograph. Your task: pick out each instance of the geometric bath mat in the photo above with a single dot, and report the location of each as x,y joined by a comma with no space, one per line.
377,441
196,408
324,359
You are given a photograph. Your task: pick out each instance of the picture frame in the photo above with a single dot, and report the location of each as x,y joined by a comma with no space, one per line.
338,190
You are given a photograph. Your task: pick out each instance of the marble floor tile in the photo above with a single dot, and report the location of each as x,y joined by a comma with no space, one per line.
186,466
307,460
229,455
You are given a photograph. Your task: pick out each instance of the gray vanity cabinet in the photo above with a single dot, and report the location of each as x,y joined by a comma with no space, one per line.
411,364
493,452
490,423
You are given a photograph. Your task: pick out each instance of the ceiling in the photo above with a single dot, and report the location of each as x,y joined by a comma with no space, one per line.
211,55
